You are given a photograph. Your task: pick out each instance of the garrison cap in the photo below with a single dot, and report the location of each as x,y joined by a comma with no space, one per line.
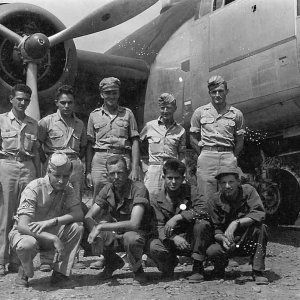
60,163
226,170
166,98
109,84
215,81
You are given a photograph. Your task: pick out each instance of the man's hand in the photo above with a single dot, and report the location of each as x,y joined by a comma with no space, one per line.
229,233
59,246
94,233
88,180
181,243
169,227
135,175
38,227
224,241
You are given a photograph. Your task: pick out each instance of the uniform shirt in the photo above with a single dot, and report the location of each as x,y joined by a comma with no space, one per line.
115,132
56,134
248,204
18,136
165,208
164,142
119,205
41,202
217,129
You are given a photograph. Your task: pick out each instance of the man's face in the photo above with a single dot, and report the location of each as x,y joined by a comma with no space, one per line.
110,97
65,104
218,95
173,180
167,111
59,180
117,174
229,185
20,101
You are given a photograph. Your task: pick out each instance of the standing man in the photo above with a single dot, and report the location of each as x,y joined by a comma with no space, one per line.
124,210
112,129
19,164
217,135
64,132
166,139
179,220
237,214
47,219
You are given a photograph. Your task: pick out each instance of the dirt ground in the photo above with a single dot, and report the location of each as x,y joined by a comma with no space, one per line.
282,269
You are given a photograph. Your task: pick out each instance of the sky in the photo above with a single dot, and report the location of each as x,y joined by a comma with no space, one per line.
71,11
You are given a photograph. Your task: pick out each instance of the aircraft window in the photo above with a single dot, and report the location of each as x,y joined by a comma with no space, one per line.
217,4
228,1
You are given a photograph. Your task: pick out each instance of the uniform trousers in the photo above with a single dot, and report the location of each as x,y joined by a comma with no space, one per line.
198,234
14,176
251,242
153,179
208,164
27,247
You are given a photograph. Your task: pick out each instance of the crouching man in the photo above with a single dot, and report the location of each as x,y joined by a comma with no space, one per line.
238,214
180,222
46,219
123,207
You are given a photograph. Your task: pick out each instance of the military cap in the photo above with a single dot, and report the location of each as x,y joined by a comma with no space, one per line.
109,84
215,81
59,163
226,170
166,98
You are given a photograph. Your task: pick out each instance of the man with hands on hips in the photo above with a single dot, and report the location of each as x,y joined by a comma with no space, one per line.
47,219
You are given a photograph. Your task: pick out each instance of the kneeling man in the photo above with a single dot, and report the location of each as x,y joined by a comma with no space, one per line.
123,207
180,222
46,219
238,214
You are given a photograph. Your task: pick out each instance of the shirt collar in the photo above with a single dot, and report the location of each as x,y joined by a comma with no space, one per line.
120,109
26,120
48,185
60,117
160,122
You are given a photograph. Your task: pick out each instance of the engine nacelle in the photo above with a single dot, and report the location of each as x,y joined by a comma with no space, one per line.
58,67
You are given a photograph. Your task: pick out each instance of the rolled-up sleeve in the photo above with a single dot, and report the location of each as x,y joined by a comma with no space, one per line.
257,211
28,203
195,121
133,128
141,196
240,124
90,129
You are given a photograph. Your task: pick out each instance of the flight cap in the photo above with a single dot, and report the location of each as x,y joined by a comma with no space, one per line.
166,98
227,170
109,84
60,163
215,81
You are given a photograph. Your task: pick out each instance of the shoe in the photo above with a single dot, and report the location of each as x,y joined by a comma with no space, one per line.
13,268
45,267
197,272
22,278
98,265
140,276
79,266
2,270
60,280
218,272
259,278
114,265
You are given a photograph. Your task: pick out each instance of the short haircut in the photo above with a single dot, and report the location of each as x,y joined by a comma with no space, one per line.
113,160
64,89
21,87
220,176
175,165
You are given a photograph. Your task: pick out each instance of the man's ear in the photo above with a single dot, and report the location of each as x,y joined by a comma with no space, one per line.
10,98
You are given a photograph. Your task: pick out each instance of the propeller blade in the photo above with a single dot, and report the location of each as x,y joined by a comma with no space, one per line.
33,109
107,16
12,36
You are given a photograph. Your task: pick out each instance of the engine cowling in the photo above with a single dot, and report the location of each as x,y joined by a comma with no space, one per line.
58,67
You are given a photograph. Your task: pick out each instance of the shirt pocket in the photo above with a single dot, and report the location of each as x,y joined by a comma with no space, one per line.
29,140
10,140
122,125
57,138
155,145
207,120
75,142
100,130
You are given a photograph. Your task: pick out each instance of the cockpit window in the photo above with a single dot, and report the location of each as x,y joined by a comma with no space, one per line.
217,4
228,1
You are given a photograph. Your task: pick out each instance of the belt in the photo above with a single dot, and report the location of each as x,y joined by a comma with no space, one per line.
218,148
17,157
113,151
156,163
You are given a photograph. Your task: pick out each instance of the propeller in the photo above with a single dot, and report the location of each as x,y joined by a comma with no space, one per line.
34,48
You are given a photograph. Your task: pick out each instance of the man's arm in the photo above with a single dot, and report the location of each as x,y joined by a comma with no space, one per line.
89,157
135,155
239,144
95,210
194,141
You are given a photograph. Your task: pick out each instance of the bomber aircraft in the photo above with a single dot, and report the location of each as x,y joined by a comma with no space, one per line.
253,44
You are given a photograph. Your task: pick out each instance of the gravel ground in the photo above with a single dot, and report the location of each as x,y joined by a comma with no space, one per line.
282,269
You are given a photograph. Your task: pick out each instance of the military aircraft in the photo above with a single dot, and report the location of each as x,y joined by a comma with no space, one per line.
242,40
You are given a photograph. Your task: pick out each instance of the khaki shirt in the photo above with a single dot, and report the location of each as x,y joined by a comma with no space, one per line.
18,136
109,133
164,142
41,202
55,134
217,129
